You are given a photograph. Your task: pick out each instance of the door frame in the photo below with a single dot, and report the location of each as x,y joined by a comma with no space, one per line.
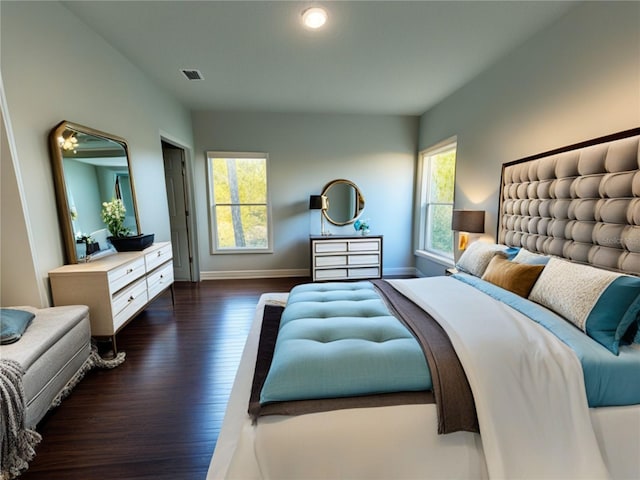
189,200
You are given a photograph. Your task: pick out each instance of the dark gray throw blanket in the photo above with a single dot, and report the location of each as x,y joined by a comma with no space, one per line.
453,397
16,441
451,392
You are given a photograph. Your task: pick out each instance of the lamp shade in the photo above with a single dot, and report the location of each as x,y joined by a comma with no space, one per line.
315,202
471,221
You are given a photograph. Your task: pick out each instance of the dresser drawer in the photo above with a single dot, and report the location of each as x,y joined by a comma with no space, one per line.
114,287
128,302
328,247
124,275
331,260
158,257
364,259
160,279
371,272
333,273
364,246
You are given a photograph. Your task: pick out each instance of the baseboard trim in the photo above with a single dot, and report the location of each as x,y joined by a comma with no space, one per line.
400,272
284,273
249,274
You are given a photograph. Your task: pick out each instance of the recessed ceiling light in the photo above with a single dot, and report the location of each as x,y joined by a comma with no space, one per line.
314,17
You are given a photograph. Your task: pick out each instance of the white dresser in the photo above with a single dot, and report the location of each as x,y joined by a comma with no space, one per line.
116,287
346,257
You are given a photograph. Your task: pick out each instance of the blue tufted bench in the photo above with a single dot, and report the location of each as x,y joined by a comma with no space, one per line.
339,339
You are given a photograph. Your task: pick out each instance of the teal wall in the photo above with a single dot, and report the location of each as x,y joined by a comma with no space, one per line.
55,68
578,79
306,151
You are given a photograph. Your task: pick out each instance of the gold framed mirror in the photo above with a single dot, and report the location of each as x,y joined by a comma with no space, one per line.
89,167
345,202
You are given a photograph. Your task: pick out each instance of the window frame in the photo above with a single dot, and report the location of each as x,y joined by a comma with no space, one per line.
215,249
424,180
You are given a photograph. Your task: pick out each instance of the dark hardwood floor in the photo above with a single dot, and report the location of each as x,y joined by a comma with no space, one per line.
158,415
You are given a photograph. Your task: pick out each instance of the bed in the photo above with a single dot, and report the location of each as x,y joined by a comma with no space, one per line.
544,325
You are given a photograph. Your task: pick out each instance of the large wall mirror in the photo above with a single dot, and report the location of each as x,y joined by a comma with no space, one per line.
89,167
345,202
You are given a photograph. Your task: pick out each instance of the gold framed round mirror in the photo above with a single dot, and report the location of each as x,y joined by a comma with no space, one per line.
345,202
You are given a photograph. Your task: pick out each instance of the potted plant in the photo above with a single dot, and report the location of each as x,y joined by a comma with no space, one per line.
113,215
362,226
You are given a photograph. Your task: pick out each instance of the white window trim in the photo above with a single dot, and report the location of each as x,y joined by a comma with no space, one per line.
213,240
420,250
444,261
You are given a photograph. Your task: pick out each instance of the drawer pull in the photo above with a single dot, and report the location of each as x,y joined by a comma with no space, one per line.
161,276
131,299
159,254
129,270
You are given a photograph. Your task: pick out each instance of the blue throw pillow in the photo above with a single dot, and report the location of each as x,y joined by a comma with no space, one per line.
530,258
620,300
13,323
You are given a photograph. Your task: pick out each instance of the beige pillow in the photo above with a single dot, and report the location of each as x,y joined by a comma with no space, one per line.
518,278
476,257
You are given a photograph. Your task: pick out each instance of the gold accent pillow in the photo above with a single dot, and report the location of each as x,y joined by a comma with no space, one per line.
518,278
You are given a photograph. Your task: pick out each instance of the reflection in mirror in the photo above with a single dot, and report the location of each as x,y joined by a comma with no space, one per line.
345,202
90,167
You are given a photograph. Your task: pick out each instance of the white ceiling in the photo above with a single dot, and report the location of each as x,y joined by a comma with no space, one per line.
382,57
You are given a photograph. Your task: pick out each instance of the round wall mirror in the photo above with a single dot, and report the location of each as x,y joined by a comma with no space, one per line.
344,202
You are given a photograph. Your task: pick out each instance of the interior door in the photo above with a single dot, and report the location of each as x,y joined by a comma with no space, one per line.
174,172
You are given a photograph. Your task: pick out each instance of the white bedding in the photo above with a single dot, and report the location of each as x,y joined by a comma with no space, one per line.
401,441
528,387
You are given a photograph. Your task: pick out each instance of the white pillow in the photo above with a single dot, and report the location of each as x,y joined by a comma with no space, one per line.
476,257
601,303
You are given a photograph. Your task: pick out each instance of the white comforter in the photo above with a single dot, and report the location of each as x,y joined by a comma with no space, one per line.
528,387
532,412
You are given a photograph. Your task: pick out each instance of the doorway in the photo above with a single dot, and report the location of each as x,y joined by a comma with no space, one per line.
177,182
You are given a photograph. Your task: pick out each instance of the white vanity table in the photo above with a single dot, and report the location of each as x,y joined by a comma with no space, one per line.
116,287
346,257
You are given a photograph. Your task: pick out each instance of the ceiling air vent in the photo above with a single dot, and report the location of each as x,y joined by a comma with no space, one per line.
192,74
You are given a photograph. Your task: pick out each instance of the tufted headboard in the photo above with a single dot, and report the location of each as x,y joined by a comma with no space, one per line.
580,202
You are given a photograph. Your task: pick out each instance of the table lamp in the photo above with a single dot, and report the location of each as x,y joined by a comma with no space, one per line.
465,222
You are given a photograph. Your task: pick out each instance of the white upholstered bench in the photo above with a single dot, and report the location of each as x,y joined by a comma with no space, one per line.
51,351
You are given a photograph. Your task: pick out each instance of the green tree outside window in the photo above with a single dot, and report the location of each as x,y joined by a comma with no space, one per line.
239,202
440,168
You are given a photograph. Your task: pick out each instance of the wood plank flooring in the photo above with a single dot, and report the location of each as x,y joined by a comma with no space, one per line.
158,415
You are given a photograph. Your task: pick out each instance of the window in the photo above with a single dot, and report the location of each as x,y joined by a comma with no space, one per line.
436,205
239,208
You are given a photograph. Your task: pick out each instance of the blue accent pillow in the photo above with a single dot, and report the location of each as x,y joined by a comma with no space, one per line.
13,323
511,252
621,300
530,258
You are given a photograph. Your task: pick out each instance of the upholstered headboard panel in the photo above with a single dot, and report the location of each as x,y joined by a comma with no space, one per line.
580,202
